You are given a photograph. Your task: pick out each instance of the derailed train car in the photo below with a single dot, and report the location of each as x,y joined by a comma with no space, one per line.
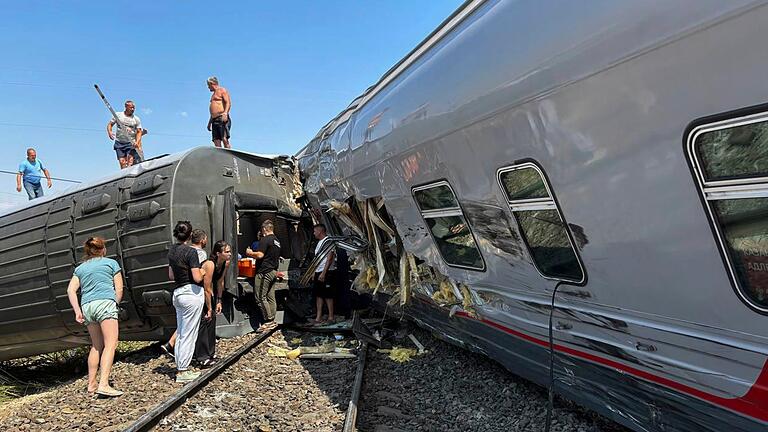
577,189
226,193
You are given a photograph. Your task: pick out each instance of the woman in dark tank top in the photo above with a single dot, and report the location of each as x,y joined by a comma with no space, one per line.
214,268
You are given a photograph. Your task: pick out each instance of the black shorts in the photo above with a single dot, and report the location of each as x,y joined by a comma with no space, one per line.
123,150
327,288
220,129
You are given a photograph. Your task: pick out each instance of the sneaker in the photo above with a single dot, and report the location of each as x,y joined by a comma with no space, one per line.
186,376
205,364
167,350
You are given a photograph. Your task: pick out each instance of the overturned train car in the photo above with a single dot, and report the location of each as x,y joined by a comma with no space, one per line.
226,193
599,176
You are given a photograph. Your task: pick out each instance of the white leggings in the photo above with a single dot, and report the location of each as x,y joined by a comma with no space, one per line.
188,301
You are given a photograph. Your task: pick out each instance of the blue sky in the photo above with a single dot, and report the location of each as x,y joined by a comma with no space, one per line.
289,65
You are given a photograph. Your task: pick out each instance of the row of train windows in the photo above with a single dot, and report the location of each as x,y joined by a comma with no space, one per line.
729,160
531,202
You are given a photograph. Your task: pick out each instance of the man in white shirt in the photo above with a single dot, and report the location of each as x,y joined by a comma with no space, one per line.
325,277
128,136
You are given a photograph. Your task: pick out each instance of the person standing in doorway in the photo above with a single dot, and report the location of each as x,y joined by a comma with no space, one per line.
324,283
100,281
128,136
269,254
31,171
219,122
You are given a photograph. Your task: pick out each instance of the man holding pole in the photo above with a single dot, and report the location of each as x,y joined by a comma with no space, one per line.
128,136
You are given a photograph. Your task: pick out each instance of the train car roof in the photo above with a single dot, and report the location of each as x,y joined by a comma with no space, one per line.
133,171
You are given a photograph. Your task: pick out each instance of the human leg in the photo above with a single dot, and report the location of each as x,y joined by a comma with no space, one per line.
97,346
204,346
189,308
329,303
109,329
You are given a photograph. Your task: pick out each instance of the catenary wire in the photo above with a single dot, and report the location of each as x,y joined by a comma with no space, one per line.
52,178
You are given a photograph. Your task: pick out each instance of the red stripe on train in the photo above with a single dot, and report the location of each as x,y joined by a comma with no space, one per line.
753,404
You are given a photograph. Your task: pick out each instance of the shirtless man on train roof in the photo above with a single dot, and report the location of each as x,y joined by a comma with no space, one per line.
219,123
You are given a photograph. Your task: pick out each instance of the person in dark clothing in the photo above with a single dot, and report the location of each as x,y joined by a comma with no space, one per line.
215,268
324,285
188,298
269,254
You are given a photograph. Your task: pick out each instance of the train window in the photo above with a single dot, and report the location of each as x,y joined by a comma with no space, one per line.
449,228
540,222
734,152
730,161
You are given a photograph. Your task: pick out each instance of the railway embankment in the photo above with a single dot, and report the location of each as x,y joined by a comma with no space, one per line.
436,388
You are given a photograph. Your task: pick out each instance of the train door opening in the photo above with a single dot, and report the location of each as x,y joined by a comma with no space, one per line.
243,215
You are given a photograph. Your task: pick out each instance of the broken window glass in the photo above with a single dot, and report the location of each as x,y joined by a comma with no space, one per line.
734,152
540,222
455,241
434,198
549,244
524,183
449,228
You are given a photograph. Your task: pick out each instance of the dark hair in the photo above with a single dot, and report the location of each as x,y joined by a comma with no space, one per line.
197,236
218,248
182,231
93,247
268,225
321,226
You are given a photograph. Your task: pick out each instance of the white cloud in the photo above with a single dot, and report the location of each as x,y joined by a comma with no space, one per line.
184,114
146,111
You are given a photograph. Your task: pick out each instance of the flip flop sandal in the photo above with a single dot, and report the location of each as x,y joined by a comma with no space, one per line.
109,393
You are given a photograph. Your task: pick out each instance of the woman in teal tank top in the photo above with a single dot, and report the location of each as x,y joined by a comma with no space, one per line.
101,284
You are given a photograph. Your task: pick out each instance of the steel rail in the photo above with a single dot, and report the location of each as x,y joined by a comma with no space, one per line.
153,417
351,418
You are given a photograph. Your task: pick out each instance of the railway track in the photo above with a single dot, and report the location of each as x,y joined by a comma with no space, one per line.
155,415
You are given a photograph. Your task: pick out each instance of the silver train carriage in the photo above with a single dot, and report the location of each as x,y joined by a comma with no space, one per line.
226,193
596,170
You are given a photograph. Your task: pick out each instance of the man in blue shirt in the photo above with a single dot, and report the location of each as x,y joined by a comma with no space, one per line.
32,170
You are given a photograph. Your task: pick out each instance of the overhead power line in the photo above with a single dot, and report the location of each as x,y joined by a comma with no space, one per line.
36,126
52,178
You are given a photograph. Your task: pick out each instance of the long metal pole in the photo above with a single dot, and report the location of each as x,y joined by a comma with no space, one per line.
114,114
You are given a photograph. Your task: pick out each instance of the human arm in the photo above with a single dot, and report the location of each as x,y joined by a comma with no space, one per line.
193,262
74,285
220,289
109,129
328,264
254,254
226,102
48,177
171,277
139,133
118,279
18,181
208,287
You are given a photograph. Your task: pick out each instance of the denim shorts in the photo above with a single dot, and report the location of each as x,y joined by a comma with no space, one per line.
99,310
